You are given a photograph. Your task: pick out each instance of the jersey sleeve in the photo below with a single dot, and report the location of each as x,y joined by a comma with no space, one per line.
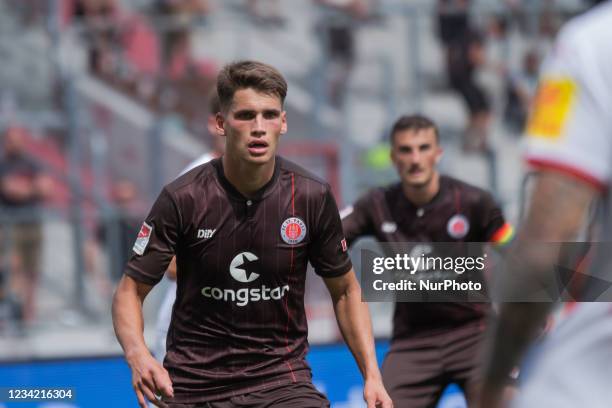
328,252
570,128
156,242
493,225
356,220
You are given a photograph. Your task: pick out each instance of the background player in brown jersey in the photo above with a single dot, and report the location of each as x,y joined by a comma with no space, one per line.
243,228
433,344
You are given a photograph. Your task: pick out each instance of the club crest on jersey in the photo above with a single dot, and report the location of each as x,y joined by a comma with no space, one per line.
293,230
458,226
142,240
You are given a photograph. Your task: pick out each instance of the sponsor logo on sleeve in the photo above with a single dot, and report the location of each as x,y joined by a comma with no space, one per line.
142,240
552,107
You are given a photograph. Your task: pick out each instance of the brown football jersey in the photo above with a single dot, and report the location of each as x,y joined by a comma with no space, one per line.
238,324
459,212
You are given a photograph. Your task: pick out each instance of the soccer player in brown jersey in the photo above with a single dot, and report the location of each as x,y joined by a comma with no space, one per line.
243,228
433,344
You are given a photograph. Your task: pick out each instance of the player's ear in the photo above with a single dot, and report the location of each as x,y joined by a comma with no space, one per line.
439,153
392,153
211,124
284,122
219,122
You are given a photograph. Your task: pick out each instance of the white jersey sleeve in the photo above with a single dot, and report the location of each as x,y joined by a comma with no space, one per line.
164,315
570,127
205,158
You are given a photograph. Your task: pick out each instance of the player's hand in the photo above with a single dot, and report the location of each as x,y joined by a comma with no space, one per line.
150,380
375,395
490,397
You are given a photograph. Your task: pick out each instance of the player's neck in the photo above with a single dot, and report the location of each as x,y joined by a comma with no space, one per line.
422,195
245,177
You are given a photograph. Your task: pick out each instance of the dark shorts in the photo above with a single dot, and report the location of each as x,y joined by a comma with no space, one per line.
416,371
302,394
474,96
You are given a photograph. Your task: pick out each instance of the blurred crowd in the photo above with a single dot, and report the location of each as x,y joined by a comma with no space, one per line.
23,188
148,52
473,44
30,192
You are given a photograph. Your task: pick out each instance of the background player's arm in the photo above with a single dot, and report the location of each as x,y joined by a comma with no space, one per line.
559,206
148,376
356,220
353,319
493,226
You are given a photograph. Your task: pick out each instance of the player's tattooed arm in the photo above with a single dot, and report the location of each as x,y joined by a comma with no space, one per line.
149,378
355,325
558,209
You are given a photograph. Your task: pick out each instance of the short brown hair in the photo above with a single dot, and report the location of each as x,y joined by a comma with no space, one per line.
249,74
413,122
213,102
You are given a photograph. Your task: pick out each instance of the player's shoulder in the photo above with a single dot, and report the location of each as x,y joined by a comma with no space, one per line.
468,191
389,193
302,177
587,34
203,159
375,198
596,20
197,176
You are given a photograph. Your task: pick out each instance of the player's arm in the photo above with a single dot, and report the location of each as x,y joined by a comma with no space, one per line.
148,376
153,251
494,228
569,139
171,271
357,220
355,325
328,255
558,208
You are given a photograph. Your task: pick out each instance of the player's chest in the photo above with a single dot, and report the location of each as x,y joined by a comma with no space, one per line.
263,234
436,224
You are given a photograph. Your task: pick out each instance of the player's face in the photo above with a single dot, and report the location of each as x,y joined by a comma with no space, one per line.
415,155
252,126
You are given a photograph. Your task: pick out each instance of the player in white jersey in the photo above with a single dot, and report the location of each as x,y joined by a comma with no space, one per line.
164,314
570,145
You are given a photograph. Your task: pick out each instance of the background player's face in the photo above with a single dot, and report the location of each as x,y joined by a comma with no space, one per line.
415,154
252,126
